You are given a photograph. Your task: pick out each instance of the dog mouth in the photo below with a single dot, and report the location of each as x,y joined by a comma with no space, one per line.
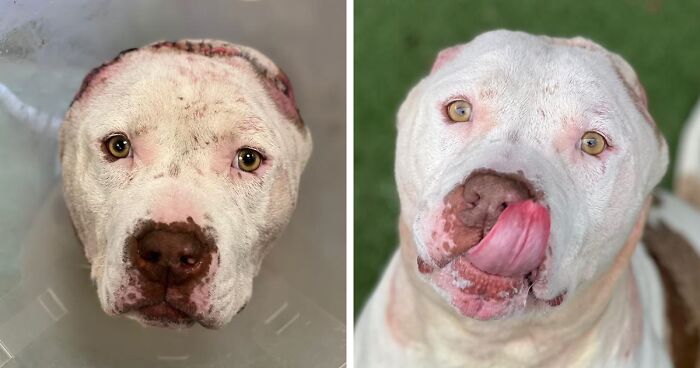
489,245
164,313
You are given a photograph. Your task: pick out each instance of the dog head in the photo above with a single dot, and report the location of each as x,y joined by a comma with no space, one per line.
523,164
181,163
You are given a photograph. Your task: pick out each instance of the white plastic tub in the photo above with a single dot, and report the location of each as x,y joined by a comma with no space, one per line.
49,312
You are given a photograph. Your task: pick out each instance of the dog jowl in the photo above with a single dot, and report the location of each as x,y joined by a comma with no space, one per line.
181,164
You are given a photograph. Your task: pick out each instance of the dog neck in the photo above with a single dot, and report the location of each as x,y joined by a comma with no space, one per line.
603,319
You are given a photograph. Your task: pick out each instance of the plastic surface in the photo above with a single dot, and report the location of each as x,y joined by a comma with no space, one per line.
49,311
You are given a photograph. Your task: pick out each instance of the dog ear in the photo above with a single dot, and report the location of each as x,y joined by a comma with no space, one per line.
627,75
280,89
445,56
629,79
95,74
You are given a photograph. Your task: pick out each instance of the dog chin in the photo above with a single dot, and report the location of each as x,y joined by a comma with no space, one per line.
160,323
478,295
148,318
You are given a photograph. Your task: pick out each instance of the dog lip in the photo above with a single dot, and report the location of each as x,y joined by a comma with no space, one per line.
164,312
427,268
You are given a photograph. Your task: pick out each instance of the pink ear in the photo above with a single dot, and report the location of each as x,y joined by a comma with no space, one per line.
445,56
280,89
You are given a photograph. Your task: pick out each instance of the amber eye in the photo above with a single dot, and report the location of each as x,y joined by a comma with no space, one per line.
459,111
249,159
593,143
118,146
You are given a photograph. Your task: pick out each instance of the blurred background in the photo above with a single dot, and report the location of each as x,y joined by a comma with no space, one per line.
396,43
46,48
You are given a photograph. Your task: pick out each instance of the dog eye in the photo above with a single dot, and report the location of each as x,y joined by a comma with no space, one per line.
593,143
459,111
248,159
118,146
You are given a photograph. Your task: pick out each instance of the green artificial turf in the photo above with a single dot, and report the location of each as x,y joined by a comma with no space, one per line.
396,42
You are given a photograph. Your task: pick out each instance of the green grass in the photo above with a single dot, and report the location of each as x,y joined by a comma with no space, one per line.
396,42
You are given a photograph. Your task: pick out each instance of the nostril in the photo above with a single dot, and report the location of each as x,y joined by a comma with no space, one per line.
151,256
188,260
471,199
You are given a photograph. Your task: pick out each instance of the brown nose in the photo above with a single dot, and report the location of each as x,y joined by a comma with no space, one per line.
170,257
487,195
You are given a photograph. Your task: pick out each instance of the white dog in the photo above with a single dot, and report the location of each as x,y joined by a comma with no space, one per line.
525,167
181,163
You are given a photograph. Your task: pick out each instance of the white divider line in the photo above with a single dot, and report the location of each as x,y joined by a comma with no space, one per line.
289,323
29,323
173,358
5,355
55,313
276,313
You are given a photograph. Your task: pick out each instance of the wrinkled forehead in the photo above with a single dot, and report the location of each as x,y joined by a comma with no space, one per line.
160,90
523,79
531,71
210,83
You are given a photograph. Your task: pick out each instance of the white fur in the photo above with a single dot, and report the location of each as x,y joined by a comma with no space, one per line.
228,101
687,173
533,98
689,146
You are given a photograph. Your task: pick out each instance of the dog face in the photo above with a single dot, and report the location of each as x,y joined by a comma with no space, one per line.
522,165
181,163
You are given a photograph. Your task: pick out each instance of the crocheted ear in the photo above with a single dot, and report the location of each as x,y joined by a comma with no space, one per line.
445,56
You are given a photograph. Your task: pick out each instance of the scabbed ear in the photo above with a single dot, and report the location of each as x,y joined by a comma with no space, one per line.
445,56
281,91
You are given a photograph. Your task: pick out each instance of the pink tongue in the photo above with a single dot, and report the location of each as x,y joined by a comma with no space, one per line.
517,243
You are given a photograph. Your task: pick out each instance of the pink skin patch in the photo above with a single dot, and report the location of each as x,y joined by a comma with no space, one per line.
198,302
128,295
281,91
477,294
175,204
144,149
445,56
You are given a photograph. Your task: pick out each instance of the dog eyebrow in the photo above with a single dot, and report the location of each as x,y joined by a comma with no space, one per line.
253,125
238,130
